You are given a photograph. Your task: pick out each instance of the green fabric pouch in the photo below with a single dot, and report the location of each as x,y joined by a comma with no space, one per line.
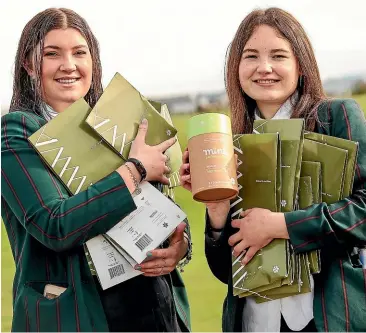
118,113
258,187
291,135
76,165
350,146
333,164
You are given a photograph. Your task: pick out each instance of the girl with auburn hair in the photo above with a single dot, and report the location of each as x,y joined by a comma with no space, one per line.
57,63
271,73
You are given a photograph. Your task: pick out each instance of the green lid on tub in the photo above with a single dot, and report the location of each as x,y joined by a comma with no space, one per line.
208,123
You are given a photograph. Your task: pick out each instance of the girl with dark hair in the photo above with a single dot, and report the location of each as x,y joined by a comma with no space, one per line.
271,73
57,63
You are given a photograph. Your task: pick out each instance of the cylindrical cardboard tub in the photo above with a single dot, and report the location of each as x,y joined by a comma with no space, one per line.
211,158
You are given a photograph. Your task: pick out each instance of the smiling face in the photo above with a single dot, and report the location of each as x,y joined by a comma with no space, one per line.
66,68
268,70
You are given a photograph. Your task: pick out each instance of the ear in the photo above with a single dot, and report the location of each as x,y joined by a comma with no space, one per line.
29,68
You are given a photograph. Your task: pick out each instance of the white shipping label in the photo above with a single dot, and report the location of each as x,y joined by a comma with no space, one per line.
112,268
149,225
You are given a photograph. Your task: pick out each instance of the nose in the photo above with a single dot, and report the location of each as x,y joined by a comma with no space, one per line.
264,67
68,65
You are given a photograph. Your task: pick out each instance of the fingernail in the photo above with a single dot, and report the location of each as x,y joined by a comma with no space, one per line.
144,121
149,254
138,267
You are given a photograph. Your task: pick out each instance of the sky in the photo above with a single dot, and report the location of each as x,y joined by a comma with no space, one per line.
166,47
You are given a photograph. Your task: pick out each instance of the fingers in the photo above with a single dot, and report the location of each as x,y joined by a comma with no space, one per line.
161,253
184,169
178,234
141,134
236,223
185,156
246,212
166,144
235,238
236,160
153,264
167,170
164,180
249,254
239,248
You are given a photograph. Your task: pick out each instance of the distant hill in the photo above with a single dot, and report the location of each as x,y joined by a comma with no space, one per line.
342,85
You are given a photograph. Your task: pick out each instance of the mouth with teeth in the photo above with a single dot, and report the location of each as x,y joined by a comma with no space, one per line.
67,81
266,81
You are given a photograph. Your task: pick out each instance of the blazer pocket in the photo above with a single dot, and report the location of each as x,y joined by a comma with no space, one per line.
35,313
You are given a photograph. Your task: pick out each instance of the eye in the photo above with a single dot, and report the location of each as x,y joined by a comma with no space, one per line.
250,56
50,54
279,56
80,52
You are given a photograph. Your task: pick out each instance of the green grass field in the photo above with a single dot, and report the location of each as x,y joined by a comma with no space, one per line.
205,292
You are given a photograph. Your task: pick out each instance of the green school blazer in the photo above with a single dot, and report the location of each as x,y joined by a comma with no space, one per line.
340,288
47,229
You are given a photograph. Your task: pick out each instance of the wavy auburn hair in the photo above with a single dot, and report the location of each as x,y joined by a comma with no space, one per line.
311,93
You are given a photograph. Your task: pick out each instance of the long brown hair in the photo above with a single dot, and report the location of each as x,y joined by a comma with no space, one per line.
27,92
311,91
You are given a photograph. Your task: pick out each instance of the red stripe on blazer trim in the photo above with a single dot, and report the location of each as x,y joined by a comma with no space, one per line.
324,311
71,209
358,171
40,229
90,200
5,135
35,119
26,314
31,181
70,233
54,183
39,195
329,105
356,225
37,315
313,240
14,193
344,295
302,220
76,299
350,202
48,171
65,213
347,122
11,229
24,129
58,315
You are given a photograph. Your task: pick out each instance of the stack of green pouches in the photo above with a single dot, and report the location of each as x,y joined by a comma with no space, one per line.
291,134
304,262
327,173
352,149
118,113
80,155
259,186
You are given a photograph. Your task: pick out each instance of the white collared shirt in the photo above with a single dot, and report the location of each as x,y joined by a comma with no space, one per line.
296,310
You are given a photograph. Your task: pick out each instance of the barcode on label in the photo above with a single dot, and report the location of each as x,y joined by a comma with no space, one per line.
144,241
116,271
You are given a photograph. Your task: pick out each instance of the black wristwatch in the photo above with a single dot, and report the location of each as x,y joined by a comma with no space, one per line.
139,166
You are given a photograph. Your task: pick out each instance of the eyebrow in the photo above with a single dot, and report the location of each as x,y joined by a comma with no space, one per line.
272,51
58,48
